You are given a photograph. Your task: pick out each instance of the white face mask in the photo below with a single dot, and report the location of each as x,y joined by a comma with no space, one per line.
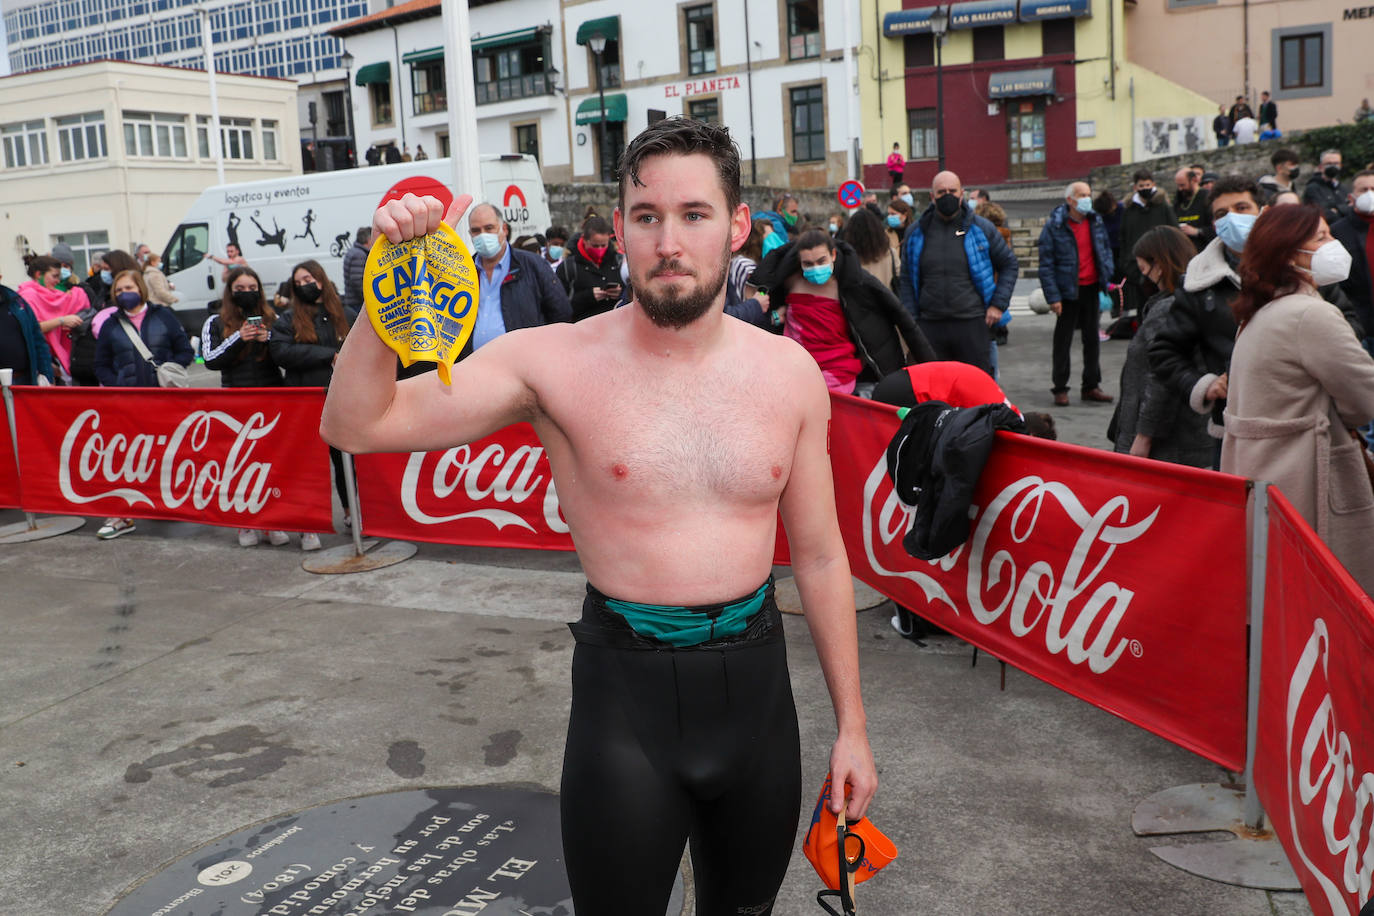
1330,264
1365,203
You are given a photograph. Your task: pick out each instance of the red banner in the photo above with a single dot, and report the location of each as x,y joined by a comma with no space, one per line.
244,457
1119,580
9,474
1314,764
495,492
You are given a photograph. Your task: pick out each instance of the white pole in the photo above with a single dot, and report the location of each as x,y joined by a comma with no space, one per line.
462,103
216,148
851,100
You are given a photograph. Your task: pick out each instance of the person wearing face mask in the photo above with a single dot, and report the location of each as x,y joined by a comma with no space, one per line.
785,217
354,264
898,220
160,289
1145,209
305,342
108,265
516,288
957,275
1151,420
1286,171
1300,383
896,164
903,193
1326,191
556,248
58,312
590,273
1354,233
1192,207
842,315
63,254
23,349
835,224
1075,266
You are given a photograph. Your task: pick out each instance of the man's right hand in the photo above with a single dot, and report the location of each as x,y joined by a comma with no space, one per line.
1056,307
411,216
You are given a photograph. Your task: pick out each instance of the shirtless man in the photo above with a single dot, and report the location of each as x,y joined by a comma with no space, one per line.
671,472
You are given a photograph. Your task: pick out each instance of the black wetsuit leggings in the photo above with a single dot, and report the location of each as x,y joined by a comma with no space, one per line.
669,744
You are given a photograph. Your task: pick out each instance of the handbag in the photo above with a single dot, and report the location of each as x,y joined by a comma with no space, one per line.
169,374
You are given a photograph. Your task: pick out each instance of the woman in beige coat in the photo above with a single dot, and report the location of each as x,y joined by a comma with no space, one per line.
1300,382
159,287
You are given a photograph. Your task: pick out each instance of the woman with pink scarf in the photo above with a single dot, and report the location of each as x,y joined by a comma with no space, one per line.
56,310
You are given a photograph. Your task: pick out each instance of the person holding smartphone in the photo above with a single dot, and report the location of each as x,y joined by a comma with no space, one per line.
590,271
234,341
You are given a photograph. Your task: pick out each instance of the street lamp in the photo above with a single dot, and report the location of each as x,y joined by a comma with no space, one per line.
597,42
939,24
350,148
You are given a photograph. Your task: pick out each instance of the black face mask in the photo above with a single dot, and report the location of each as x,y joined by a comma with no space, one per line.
308,292
1146,193
948,205
1293,173
248,301
1332,171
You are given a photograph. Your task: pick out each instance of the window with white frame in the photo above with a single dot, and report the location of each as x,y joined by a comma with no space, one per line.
84,245
153,134
269,140
81,136
25,143
235,137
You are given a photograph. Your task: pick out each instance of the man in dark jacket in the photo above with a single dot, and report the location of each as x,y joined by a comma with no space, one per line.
1192,206
1353,233
22,345
1268,111
1145,209
590,272
872,321
1075,265
516,288
354,262
957,275
1326,191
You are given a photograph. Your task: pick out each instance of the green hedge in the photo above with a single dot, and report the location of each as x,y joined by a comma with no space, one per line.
1355,141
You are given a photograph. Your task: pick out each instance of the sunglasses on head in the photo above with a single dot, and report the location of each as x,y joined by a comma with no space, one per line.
849,846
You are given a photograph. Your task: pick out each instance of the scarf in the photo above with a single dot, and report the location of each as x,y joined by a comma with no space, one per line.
54,303
587,252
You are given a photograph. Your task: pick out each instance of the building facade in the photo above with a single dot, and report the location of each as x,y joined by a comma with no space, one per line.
1035,90
110,154
272,38
1306,53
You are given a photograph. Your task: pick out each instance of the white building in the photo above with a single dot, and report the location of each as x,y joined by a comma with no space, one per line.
278,38
109,154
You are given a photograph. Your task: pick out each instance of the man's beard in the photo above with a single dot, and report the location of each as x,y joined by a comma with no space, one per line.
677,310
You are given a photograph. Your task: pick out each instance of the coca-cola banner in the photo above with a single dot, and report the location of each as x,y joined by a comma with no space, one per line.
1314,764
1119,580
250,458
9,474
495,492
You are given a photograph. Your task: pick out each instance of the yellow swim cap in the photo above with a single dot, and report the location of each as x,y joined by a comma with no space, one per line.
422,296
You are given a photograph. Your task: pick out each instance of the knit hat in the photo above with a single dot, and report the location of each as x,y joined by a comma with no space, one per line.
62,252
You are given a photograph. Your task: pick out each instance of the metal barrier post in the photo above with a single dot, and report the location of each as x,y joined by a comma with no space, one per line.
1253,856
33,528
361,555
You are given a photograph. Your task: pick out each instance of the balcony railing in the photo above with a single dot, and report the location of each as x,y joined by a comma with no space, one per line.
427,102
515,87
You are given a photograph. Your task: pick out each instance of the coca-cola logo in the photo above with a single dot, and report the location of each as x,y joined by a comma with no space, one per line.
191,465
1076,606
1323,774
486,473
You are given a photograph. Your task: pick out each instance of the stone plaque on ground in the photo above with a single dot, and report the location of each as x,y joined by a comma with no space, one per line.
437,852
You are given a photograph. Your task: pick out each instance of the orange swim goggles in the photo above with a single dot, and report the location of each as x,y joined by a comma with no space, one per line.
842,854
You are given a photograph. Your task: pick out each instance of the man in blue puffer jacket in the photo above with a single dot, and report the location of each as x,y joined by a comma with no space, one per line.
957,275
1075,265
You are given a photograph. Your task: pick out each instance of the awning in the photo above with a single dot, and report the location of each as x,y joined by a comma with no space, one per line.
979,13
907,22
589,112
504,39
373,73
1014,83
1036,10
609,27
420,57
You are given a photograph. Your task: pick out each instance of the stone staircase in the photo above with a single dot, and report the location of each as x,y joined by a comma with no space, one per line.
1025,233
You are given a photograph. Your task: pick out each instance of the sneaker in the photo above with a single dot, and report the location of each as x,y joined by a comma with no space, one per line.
310,541
348,522
248,537
277,538
114,527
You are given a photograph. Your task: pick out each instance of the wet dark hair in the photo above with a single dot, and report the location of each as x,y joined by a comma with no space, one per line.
866,233
684,137
814,238
1266,267
1170,249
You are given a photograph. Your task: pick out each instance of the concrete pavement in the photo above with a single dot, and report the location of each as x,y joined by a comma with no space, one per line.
169,687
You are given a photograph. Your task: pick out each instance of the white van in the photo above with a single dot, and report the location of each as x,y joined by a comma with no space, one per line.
280,222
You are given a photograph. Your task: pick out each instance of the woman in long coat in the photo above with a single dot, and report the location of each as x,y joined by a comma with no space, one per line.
1300,383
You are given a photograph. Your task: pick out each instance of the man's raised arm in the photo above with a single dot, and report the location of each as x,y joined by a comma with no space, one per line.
368,411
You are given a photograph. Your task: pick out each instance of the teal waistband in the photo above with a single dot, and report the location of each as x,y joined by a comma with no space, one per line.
678,625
